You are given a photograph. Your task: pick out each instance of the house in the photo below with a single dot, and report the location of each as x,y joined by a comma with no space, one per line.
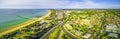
112,30
68,26
78,33
87,35
42,22
113,35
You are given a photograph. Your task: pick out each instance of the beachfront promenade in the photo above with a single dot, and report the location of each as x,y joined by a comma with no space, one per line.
12,29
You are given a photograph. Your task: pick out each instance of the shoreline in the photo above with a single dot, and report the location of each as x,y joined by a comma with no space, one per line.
12,24
24,24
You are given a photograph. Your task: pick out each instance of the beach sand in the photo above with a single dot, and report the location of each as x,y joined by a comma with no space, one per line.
12,29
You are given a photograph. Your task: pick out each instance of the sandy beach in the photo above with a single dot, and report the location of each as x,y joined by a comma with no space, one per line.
12,29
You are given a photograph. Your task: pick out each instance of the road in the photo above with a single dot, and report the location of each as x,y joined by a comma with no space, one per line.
59,24
101,26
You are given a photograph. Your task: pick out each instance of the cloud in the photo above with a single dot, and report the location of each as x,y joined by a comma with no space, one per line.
41,4
33,4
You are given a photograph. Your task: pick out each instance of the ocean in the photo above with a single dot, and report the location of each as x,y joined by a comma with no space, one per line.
11,17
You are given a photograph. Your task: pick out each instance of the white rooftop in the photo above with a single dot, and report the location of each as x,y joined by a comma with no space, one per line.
87,35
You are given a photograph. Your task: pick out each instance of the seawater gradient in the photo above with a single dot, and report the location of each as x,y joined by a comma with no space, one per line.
10,17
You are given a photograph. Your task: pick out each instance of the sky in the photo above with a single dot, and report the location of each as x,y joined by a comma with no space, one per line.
58,4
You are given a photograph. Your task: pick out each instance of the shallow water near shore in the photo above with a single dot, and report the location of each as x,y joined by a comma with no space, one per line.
11,17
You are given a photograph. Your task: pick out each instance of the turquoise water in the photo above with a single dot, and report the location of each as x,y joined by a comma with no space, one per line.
10,17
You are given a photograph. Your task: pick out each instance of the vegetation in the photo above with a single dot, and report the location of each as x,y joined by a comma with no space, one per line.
81,24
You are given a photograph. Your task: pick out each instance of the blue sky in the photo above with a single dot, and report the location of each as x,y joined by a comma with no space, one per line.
56,4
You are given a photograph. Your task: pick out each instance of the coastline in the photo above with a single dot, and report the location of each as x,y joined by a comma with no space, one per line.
12,29
10,24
